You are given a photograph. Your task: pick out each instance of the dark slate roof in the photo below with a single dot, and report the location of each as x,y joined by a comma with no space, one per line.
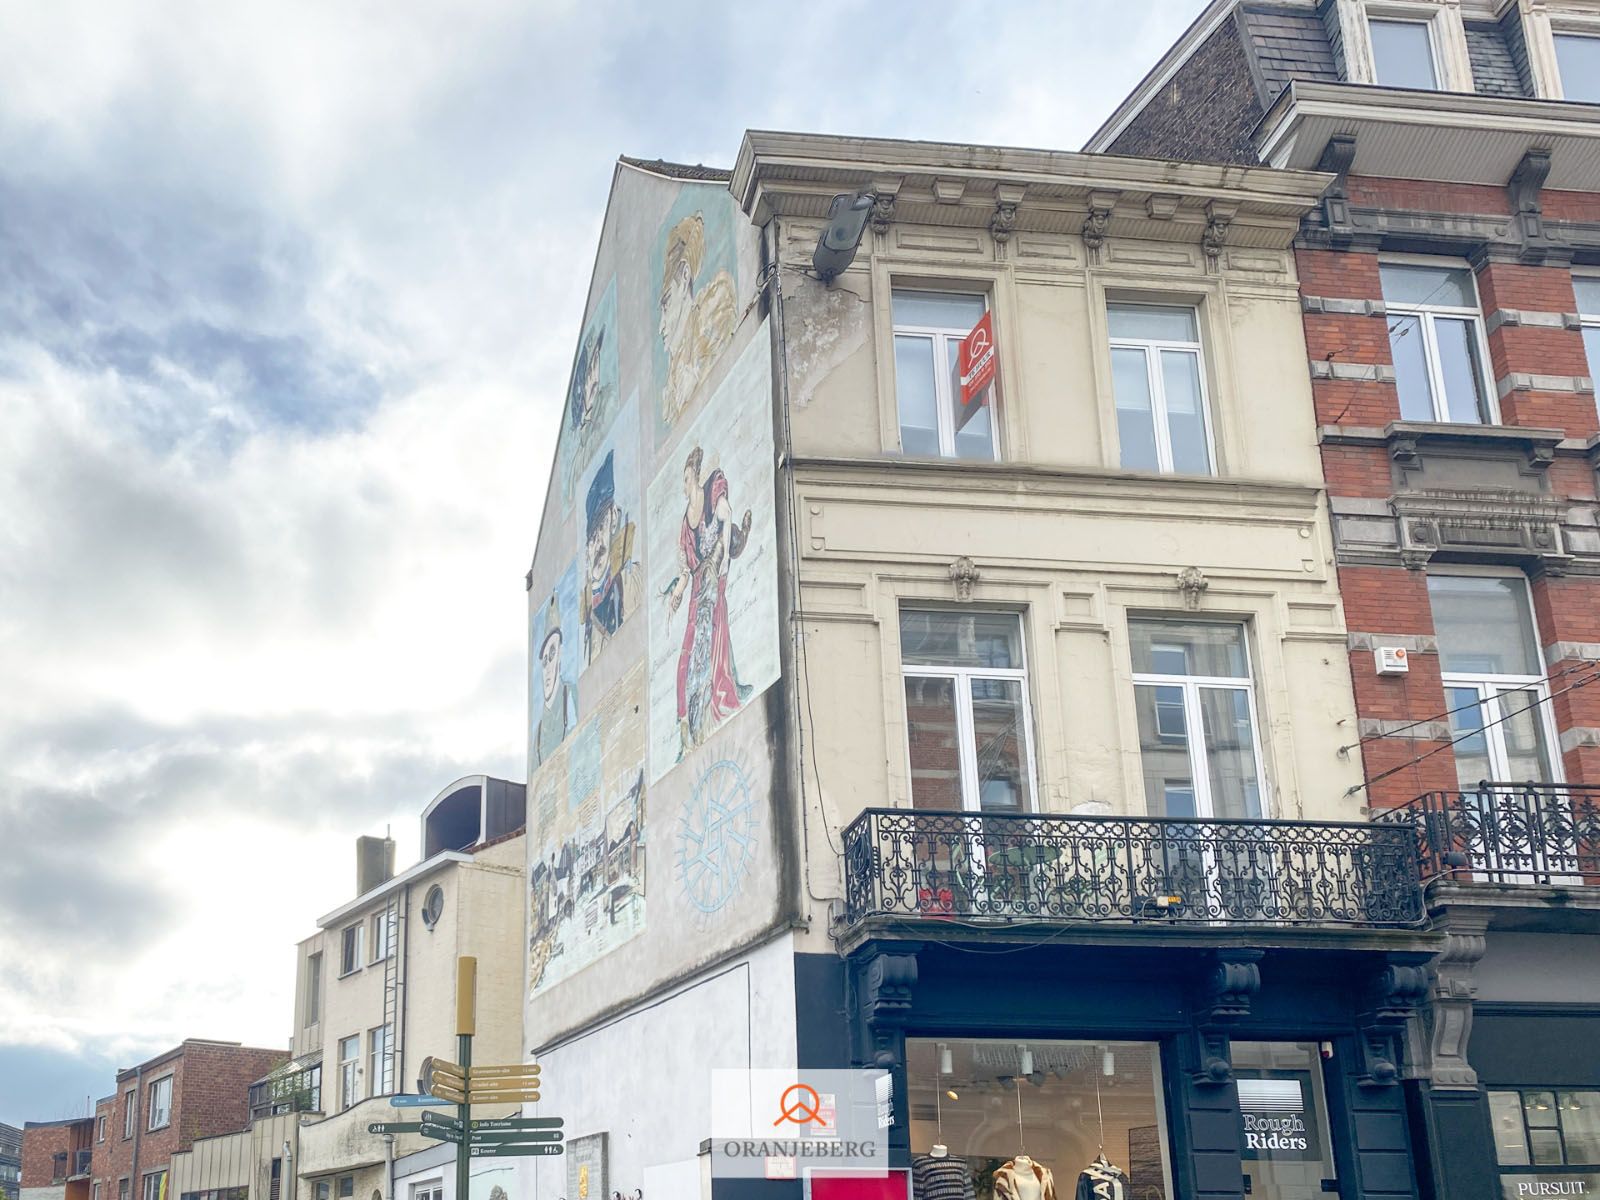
1494,70
1286,44
680,170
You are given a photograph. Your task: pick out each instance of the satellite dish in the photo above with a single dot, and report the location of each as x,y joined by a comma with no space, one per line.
836,247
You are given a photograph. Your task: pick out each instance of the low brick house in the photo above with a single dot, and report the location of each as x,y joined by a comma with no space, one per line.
55,1159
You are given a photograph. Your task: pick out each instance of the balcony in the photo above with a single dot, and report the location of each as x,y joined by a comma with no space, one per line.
82,1163
1508,833
287,1090
995,869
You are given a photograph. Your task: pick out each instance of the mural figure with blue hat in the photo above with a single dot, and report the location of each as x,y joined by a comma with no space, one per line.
611,577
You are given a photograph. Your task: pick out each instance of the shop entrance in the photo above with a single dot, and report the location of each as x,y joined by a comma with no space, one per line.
1283,1111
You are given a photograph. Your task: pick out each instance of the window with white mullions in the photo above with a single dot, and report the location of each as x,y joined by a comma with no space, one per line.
1403,54
968,716
1158,375
1578,56
1494,679
1195,699
1436,337
929,328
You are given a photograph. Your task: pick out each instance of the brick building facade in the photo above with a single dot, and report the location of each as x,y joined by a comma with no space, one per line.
1450,286
160,1107
55,1159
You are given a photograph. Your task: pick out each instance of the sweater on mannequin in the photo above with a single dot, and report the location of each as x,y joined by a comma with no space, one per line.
943,1178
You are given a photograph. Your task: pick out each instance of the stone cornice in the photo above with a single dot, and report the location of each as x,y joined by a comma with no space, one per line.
934,183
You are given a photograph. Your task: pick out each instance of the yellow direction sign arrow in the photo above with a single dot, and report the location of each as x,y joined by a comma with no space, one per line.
504,1096
510,1072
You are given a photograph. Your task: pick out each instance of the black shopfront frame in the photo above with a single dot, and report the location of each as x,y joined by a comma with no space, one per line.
1190,999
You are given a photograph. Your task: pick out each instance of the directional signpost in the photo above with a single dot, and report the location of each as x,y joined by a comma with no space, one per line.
395,1127
464,1085
422,1101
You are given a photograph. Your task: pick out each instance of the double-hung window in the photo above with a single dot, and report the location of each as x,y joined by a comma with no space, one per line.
1587,288
130,1112
1403,54
313,1008
1159,378
1436,335
350,948
968,720
929,328
1578,57
161,1102
382,936
349,1070
1493,678
152,1185
1198,745
380,1063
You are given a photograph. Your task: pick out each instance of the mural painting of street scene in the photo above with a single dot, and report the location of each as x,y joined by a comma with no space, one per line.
713,565
587,878
554,706
610,541
694,267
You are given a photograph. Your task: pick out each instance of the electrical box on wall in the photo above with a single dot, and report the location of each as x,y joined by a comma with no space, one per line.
1392,660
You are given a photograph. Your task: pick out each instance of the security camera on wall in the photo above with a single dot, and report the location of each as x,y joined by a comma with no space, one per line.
836,246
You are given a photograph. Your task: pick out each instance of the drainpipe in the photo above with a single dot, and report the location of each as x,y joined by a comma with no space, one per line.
404,980
388,1158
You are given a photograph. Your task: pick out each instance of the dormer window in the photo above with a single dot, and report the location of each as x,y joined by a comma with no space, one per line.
1403,54
1578,56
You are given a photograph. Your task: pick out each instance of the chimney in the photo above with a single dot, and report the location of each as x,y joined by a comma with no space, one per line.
374,863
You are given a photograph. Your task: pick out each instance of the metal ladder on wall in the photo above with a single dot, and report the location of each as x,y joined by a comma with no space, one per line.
394,917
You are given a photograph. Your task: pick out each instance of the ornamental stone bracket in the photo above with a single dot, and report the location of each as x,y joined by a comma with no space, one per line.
1526,182
1508,524
1392,997
1098,223
1192,583
1003,221
884,984
964,574
884,192
1231,980
1219,216
1338,156
1438,1035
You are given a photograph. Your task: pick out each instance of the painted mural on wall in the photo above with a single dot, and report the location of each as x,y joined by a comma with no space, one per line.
609,539
694,267
592,392
713,566
586,879
555,667
718,836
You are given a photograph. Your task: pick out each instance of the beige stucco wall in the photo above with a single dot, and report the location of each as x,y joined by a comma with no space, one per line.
1058,531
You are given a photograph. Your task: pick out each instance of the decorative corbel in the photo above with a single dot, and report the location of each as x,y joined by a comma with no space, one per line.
1098,223
1338,156
1003,221
884,192
964,574
1392,999
1192,582
1218,217
1222,998
1447,1021
1526,182
885,984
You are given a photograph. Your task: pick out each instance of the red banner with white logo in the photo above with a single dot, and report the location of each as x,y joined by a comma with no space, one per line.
975,367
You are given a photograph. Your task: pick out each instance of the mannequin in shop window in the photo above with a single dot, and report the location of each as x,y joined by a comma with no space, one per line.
1024,1179
1100,1180
937,1176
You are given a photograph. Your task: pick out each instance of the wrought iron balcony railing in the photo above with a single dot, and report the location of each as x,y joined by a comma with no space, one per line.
992,867
1507,833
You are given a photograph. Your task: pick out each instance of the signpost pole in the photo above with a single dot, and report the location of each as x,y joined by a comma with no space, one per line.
466,1019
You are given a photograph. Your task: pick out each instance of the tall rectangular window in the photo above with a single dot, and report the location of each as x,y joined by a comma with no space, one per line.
1578,57
929,328
122,1189
161,1103
382,936
1493,678
100,1128
380,1065
968,720
1159,378
1587,289
313,989
1198,745
130,1111
152,1185
1436,335
350,948
1402,54
349,1070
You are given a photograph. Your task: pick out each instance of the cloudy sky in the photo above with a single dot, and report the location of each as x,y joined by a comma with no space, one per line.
288,292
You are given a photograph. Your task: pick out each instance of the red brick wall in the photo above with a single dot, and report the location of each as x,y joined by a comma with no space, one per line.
42,1142
1568,610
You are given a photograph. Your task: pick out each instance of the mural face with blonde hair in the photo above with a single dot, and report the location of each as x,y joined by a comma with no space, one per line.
697,313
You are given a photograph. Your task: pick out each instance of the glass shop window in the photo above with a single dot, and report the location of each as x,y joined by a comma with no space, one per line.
1283,1114
992,1117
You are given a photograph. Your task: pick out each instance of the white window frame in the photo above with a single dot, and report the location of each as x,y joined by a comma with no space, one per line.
1569,27
1425,314
349,1072
150,1184
1588,320
100,1128
1487,686
165,1115
1194,717
380,1080
130,1113
313,996
965,726
360,928
1436,60
1153,348
432,1189
124,1187
383,930
943,383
